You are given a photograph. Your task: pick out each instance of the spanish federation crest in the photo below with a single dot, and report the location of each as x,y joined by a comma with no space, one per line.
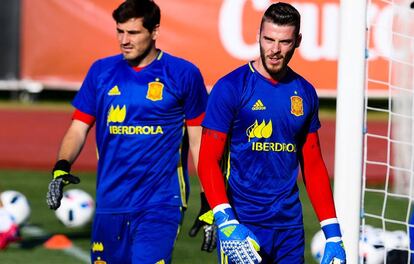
154,92
296,105
99,261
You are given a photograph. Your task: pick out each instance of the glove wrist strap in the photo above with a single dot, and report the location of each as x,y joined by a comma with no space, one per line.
331,228
334,239
62,167
221,207
223,214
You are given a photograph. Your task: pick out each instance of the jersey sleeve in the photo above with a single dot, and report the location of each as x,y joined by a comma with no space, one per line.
315,123
85,99
85,118
209,172
221,107
195,121
316,178
195,97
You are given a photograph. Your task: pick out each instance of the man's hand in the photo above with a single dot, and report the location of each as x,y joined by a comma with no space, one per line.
334,248
334,253
205,220
61,178
237,242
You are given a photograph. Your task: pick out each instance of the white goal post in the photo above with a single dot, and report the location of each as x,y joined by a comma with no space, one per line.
349,122
383,147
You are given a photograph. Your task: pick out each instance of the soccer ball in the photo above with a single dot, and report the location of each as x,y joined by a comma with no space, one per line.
371,254
396,240
76,208
17,205
371,247
318,246
375,244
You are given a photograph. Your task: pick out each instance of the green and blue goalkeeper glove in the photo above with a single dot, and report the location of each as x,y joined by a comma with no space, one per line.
61,178
205,220
237,242
334,248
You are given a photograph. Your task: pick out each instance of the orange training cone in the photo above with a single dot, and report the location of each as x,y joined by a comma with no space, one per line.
58,242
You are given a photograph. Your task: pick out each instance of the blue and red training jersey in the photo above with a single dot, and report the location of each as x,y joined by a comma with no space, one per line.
266,124
140,129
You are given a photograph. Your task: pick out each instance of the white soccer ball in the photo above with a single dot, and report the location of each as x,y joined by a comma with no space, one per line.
76,208
371,247
17,205
370,253
318,246
396,240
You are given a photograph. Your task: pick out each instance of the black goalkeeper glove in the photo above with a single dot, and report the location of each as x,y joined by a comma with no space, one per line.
205,220
61,178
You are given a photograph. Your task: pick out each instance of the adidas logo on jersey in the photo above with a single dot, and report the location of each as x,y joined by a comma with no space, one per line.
114,91
258,105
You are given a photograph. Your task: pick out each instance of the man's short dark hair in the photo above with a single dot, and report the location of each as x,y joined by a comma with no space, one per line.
282,14
146,9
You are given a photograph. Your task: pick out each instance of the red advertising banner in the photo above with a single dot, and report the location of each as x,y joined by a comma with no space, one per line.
61,39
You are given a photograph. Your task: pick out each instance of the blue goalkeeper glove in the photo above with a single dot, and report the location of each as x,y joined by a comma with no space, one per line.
237,242
61,178
334,248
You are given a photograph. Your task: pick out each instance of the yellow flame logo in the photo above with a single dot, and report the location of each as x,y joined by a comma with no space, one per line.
117,114
97,247
261,130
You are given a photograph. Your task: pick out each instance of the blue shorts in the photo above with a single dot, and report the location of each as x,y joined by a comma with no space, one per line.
141,237
281,246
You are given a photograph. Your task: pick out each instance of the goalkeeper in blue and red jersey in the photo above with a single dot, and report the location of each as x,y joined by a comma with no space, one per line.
262,124
147,107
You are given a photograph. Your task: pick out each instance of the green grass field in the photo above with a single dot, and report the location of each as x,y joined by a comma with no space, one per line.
33,184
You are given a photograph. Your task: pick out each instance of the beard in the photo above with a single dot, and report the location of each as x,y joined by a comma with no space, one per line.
276,71
135,60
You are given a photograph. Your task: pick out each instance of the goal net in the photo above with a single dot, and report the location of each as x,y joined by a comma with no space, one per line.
388,160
